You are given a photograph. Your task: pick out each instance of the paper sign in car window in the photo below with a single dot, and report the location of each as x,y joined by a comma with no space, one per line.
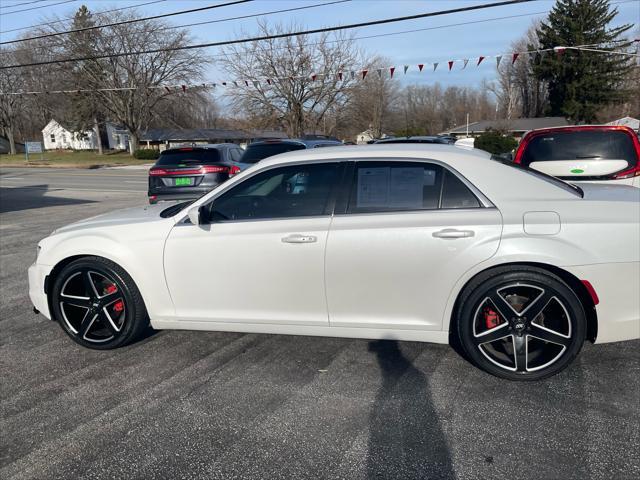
405,188
373,187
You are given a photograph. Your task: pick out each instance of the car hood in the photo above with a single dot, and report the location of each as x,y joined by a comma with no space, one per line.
137,215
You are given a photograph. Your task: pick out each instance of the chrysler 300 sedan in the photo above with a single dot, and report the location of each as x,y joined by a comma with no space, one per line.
430,243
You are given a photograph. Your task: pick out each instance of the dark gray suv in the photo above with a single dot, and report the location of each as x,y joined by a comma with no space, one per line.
262,149
186,173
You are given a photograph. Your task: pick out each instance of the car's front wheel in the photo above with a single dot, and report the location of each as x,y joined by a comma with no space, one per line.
521,324
97,304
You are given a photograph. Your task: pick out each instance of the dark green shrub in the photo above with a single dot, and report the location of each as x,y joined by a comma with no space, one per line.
146,154
495,142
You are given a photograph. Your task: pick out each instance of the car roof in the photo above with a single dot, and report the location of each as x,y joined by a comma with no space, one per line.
204,146
309,143
416,139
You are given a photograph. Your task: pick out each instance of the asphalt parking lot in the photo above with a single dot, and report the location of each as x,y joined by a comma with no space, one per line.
225,405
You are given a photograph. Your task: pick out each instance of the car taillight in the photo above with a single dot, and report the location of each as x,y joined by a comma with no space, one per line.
158,171
213,169
234,170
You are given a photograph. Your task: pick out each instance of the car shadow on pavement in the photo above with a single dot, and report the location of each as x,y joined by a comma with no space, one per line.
406,439
26,198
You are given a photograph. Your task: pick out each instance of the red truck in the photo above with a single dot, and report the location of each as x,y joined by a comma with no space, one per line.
593,153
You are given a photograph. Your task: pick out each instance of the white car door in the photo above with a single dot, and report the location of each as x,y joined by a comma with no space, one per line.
260,259
400,239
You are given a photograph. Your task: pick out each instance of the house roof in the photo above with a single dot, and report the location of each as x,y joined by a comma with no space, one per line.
512,125
205,134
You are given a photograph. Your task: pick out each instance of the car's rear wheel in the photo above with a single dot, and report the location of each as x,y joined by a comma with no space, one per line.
521,324
97,304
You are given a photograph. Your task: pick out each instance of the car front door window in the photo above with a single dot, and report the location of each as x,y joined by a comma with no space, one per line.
285,192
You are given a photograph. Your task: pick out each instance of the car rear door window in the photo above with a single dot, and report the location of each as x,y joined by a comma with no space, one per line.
255,153
406,186
294,191
580,145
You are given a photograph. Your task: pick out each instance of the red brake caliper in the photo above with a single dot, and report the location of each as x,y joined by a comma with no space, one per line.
119,305
491,318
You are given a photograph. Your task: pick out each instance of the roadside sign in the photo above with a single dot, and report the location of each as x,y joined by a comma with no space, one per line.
33,147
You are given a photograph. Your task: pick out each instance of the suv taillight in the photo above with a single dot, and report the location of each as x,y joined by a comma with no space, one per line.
194,171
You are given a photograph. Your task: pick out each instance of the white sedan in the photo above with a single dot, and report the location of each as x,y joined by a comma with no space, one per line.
428,243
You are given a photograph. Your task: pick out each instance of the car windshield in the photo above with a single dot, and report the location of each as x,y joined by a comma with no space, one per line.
180,156
569,187
255,153
588,144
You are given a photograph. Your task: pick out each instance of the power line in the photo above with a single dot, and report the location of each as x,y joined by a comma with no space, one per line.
36,8
71,18
26,3
125,22
275,36
173,27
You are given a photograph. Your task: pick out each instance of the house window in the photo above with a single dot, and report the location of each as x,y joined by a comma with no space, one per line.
64,138
53,138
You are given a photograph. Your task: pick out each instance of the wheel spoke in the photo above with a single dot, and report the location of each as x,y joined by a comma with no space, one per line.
82,302
536,307
520,352
504,309
108,322
548,335
110,298
92,285
496,333
86,324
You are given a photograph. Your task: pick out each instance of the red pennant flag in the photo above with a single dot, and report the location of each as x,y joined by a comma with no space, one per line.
364,73
514,57
184,88
480,59
268,81
391,70
313,77
451,62
420,66
339,75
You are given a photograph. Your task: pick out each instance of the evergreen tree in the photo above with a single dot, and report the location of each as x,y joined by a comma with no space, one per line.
581,83
85,111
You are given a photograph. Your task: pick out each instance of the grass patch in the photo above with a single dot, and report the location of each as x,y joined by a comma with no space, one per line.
77,159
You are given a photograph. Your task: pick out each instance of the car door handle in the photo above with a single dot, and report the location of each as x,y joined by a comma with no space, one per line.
298,238
451,233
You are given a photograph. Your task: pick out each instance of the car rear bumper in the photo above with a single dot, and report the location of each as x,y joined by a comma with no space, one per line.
37,274
617,286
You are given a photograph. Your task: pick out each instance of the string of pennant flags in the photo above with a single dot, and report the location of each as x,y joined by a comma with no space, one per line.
341,75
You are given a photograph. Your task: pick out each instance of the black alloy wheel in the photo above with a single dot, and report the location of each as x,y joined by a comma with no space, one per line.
97,304
523,324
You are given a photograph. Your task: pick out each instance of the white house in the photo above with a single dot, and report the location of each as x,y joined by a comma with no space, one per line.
57,136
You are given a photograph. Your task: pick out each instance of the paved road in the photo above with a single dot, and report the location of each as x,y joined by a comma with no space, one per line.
225,405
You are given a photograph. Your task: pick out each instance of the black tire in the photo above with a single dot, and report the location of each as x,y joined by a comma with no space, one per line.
107,313
520,323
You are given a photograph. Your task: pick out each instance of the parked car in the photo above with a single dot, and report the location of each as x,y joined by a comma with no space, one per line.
430,243
418,139
189,172
600,153
262,149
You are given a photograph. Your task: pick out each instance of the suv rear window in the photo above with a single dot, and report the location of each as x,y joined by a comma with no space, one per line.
255,153
580,145
189,156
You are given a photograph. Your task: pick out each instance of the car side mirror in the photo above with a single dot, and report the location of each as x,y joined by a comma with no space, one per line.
195,215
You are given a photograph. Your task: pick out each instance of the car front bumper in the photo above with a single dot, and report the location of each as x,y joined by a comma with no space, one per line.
37,274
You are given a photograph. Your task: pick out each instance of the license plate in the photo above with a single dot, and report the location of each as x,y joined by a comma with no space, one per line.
180,182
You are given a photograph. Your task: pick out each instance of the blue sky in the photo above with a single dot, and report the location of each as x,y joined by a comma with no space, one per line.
438,45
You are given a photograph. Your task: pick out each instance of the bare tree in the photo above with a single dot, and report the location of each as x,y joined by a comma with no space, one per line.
307,77
10,81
